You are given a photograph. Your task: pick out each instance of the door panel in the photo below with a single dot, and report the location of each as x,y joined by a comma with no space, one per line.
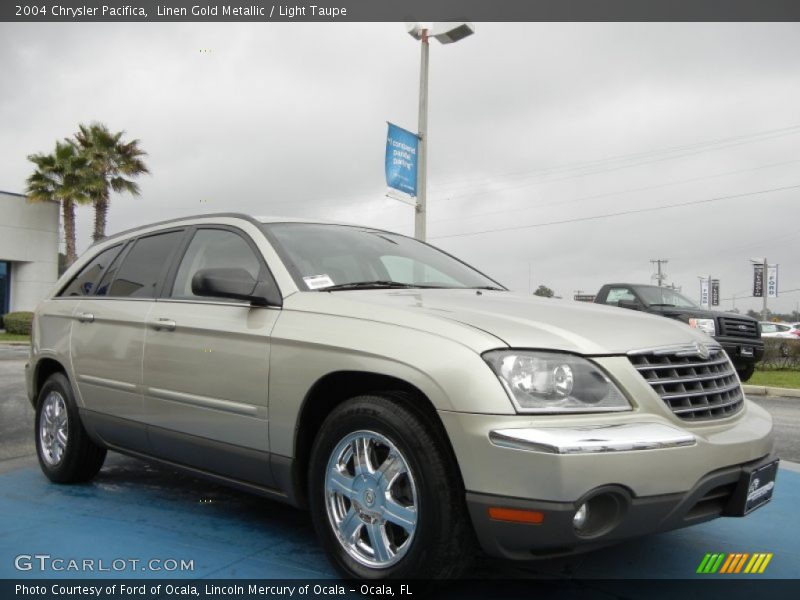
107,348
108,335
208,377
206,365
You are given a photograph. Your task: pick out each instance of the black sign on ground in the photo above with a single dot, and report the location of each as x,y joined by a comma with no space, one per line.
584,297
715,292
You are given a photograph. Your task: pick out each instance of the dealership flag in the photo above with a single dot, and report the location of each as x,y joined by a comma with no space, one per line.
704,292
401,160
772,281
715,292
758,280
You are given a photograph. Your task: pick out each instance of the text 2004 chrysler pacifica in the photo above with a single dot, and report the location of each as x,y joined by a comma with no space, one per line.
413,404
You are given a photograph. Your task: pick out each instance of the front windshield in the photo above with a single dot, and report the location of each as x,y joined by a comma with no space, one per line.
659,296
322,256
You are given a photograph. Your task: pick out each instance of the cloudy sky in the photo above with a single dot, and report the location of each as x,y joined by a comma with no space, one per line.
537,133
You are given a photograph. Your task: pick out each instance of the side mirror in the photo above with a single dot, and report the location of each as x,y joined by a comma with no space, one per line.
233,283
631,304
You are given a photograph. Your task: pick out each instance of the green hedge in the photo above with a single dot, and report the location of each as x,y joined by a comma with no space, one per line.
18,322
780,353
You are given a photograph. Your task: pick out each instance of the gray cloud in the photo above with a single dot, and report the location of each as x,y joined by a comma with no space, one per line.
289,119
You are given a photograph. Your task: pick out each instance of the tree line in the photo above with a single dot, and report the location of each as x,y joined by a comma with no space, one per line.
84,170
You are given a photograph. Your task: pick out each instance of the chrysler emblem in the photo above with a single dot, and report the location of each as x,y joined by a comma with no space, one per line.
701,350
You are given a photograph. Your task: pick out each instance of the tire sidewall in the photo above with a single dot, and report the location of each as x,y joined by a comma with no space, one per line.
360,415
61,471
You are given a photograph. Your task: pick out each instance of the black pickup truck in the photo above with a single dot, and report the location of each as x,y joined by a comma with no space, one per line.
740,336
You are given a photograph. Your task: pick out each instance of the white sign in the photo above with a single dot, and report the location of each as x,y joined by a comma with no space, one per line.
318,282
772,281
704,292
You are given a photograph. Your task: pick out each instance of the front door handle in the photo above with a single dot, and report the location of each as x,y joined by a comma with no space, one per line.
163,325
86,317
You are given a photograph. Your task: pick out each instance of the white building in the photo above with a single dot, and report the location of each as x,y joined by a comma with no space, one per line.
28,251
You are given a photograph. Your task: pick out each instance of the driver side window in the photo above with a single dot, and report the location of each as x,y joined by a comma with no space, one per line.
213,248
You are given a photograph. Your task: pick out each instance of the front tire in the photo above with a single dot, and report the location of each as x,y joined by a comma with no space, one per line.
385,496
746,372
66,453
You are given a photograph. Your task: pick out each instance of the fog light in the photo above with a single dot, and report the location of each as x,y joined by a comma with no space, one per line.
579,520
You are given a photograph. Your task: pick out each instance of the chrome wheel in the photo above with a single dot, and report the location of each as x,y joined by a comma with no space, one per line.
371,499
53,429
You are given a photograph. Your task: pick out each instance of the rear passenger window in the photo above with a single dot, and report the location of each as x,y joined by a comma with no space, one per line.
213,248
85,282
143,266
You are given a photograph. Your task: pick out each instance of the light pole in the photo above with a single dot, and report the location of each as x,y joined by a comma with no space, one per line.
446,33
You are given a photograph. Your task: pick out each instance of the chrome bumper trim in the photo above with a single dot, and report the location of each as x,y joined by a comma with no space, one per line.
593,439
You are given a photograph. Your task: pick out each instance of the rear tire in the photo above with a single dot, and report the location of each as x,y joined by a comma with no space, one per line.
66,453
385,495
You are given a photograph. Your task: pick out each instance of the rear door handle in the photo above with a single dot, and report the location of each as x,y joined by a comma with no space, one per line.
163,325
86,317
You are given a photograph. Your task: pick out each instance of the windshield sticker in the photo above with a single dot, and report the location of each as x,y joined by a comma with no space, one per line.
316,282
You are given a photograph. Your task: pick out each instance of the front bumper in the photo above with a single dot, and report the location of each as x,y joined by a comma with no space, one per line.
653,462
626,516
736,348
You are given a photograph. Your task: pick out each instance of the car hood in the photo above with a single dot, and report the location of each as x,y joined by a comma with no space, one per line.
699,313
516,320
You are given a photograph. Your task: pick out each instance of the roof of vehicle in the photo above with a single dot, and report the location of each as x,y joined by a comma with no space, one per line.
650,285
640,285
228,215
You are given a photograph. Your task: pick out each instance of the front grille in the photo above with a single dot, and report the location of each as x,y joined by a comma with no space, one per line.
694,388
733,327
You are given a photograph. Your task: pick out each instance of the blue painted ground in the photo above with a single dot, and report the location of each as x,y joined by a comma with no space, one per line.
136,511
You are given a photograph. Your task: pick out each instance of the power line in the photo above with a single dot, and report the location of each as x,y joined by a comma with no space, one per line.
621,213
451,196
616,158
620,192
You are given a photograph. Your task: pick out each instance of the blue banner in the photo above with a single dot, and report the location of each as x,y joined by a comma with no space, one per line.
401,160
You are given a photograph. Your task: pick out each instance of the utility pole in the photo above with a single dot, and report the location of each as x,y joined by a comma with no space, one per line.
764,290
659,276
420,217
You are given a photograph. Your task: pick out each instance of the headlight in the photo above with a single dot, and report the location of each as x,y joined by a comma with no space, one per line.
705,325
548,382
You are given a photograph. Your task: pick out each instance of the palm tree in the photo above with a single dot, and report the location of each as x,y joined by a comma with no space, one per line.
113,162
61,177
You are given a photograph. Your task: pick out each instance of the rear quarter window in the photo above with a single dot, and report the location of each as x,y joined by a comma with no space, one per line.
85,282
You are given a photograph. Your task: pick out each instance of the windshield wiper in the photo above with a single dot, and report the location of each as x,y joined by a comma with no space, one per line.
488,287
663,305
382,284
366,285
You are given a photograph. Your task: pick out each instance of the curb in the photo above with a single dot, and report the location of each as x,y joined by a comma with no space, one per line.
14,344
760,390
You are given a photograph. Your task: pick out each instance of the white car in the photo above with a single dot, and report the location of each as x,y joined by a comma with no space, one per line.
780,330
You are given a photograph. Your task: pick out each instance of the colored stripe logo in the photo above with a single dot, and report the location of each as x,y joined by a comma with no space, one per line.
731,564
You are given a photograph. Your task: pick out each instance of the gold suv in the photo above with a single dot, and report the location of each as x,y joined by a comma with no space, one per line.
415,406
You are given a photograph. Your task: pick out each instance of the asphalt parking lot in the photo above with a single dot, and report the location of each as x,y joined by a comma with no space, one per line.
139,511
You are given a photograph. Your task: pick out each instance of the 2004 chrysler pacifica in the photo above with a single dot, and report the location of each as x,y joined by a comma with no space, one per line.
413,404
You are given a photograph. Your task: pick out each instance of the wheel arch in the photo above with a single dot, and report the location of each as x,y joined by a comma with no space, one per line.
45,367
333,389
